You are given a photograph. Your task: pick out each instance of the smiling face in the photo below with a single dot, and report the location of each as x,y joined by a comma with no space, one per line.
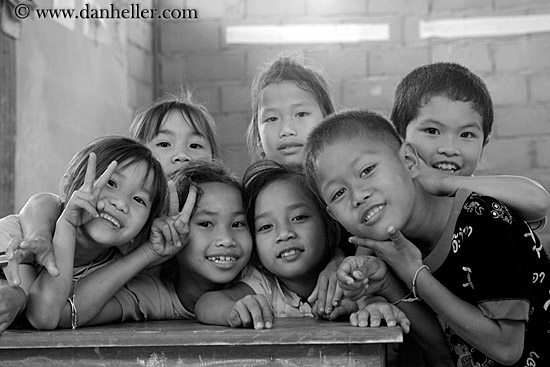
286,116
448,135
220,244
124,205
367,186
290,238
177,143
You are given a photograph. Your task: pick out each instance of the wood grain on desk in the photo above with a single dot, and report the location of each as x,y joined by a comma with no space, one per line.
291,342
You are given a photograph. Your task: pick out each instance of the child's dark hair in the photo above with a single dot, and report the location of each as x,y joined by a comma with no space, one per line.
125,151
202,171
264,172
343,126
287,68
452,80
147,122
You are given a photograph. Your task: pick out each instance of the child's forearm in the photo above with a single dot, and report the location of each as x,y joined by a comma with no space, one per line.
501,341
95,290
213,308
48,294
39,215
522,194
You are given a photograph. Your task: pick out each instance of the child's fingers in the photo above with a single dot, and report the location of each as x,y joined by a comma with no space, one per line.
403,321
173,200
12,269
106,176
313,296
363,242
344,273
14,244
234,319
396,237
49,263
89,178
187,209
338,294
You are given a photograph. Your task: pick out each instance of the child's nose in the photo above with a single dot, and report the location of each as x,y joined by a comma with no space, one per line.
182,156
448,147
225,239
287,127
360,197
285,233
119,203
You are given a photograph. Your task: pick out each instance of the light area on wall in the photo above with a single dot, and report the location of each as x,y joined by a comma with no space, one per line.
306,33
484,26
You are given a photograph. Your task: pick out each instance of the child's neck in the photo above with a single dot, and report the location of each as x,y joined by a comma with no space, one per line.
190,288
429,220
302,286
86,250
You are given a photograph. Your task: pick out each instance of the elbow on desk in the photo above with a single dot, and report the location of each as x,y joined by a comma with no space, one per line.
42,322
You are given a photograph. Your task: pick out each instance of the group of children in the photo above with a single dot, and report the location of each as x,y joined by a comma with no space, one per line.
155,227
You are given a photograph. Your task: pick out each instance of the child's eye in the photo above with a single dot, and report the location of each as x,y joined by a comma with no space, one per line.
239,224
205,224
195,146
163,144
111,183
270,119
140,201
366,171
431,131
302,114
337,194
467,135
299,218
264,228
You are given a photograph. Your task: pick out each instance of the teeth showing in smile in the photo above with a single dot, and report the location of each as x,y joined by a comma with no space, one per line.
373,212
288,253
446,167
222,259
111,219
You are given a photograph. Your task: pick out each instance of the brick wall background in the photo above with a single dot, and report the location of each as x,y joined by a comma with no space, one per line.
515,68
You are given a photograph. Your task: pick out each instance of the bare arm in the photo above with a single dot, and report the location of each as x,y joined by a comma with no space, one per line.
215,307
38,216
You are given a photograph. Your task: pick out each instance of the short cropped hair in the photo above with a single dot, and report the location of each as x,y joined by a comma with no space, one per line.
452,80
147,122
347,125
264,172
287,68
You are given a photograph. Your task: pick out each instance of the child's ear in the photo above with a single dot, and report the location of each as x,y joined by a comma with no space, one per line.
410,157
330,213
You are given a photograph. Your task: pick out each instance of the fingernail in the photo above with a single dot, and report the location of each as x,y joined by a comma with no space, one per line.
268,325
259,325
336,303
328,311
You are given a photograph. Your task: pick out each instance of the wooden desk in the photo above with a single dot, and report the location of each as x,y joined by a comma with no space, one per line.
291,342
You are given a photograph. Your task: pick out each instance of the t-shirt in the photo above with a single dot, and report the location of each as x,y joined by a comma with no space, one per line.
490,258
283,301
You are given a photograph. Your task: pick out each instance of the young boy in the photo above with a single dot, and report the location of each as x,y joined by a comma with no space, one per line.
445,111
478,266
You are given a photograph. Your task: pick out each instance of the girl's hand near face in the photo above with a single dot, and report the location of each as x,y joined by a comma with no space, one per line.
83,206
361,275
21,251
170,233
327,294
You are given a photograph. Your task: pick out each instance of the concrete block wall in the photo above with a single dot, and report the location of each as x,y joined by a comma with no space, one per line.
516,68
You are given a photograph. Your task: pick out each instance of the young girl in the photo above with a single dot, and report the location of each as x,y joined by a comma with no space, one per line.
112,191
294,240
177,129
218,249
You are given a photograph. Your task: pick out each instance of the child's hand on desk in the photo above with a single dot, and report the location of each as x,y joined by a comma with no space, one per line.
251,311
170,233
374,309
12,301
327,294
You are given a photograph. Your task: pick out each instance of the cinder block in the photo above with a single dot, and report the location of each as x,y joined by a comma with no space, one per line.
452,5
540,87
506,156
505,4
140,64
140,94
208,95
215,67
217,8
187,35
507,89
331,7
235,98
232,128
236,157
522,120
172,70
474,56
398,6
374,93
140,33
543,152
397,61
522,54
275,9
342,64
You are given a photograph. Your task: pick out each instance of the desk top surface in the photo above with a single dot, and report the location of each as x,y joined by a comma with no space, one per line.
285,331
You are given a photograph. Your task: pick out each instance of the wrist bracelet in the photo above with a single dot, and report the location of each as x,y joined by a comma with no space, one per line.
414,280
406,298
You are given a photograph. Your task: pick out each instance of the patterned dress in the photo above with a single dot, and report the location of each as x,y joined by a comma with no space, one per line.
491,258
